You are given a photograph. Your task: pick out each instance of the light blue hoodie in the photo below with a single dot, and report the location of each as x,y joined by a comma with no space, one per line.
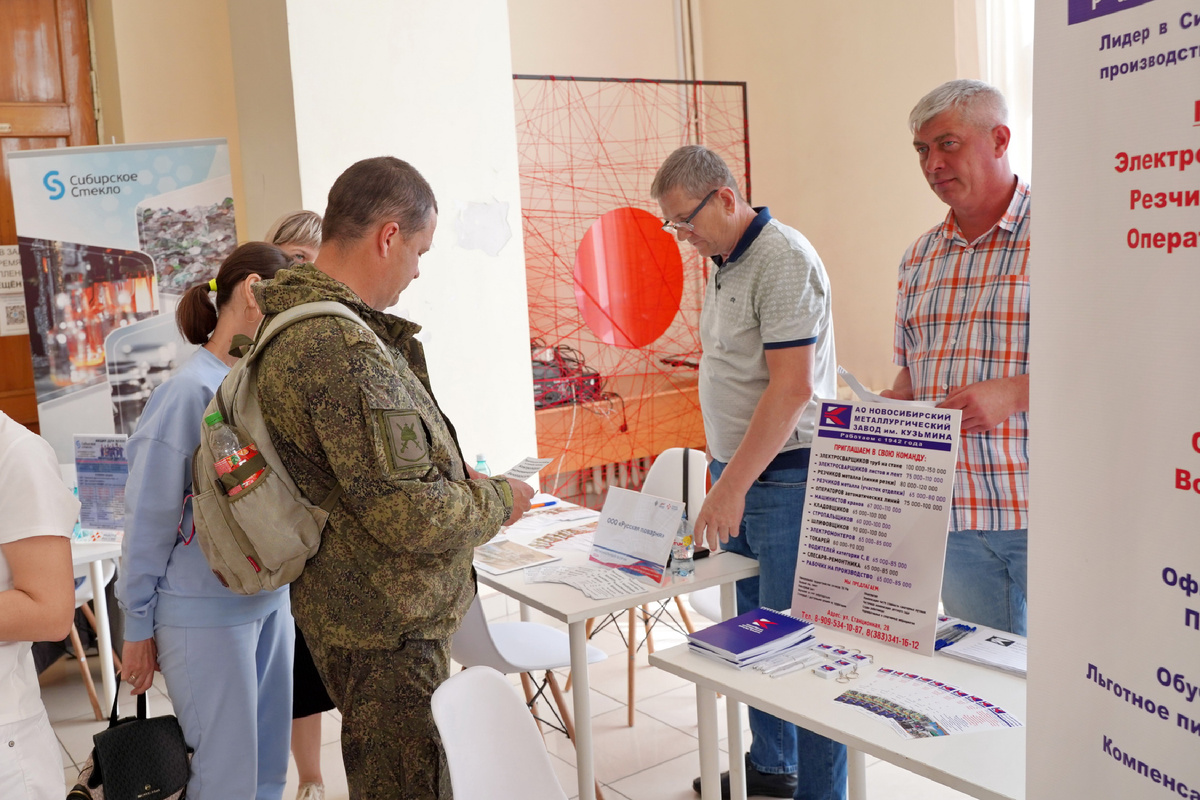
164,578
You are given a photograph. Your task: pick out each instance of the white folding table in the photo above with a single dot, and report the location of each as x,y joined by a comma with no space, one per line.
94,554
571,606
985,764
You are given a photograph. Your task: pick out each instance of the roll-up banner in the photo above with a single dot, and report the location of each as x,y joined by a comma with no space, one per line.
109,238
1114,540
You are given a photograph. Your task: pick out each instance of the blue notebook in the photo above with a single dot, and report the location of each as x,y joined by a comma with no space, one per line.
750,636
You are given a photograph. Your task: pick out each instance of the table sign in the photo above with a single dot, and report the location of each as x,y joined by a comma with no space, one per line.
635,533
873,537
101,472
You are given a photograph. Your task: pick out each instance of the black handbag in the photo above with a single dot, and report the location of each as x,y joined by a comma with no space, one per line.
136,758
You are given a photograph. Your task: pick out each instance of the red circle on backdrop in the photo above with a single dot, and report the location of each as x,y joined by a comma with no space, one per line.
628,278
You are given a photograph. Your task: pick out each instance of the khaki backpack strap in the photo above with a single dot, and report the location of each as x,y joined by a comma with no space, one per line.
268,329
271,326
331,499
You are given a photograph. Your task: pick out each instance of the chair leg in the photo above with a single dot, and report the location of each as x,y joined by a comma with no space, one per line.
91,618
646,623
86,673
683,614
632,655
566,715
527,685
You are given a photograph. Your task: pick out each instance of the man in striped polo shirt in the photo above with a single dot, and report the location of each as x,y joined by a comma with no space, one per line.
962,341
766,332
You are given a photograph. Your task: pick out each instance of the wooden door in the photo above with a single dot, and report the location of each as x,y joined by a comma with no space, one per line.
45,101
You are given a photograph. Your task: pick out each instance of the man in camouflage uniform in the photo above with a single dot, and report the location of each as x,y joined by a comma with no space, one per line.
393,578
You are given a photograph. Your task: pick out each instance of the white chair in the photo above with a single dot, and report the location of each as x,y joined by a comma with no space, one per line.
492,746
521,647
707,603
665,478
84,595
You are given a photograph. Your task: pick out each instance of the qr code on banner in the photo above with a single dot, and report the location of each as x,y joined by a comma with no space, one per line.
14,315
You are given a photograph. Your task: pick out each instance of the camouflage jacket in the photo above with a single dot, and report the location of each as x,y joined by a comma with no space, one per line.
395,557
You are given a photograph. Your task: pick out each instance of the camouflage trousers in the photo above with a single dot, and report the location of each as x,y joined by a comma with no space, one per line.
390,745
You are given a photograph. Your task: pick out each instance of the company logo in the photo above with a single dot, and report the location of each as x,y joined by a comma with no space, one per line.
1084,10
53,185
86,185
834,415
762,623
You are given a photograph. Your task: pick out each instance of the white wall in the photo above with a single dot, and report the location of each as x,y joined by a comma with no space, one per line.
611,39
261,55
431,83
830,86
165,73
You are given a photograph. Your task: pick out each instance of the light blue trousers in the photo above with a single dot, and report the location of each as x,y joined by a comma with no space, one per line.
231,688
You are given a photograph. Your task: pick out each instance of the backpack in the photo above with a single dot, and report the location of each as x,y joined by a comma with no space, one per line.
259,538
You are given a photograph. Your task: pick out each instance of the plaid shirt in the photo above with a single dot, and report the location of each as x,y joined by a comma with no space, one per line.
962,316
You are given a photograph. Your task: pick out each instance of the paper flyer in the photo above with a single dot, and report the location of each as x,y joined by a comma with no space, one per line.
635,533
873,537
501,556
917,707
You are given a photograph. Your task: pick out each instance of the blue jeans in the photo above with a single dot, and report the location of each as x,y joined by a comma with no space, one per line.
985,578
770,533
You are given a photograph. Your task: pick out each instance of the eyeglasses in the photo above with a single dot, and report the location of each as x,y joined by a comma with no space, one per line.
686,226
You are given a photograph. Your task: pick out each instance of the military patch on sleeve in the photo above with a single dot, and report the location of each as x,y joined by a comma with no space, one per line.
407,442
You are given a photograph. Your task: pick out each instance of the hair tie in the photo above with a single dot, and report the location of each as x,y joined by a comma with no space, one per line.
212,285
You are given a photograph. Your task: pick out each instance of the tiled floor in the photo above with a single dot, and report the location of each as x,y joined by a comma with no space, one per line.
656,759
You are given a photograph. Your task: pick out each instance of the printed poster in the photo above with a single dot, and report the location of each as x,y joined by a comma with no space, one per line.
109,238
873,537
101,471
1114,510
12,293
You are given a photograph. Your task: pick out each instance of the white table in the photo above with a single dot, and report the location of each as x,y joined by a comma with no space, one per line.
574,608
94,554
985,764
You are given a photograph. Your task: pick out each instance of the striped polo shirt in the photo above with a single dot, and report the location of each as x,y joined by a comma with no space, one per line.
771,293
962,316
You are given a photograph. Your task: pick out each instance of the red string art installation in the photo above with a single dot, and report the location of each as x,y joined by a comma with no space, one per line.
614,301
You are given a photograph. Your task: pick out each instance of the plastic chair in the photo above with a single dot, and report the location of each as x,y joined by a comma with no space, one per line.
520,647
665,478
707,603
83,595
492,746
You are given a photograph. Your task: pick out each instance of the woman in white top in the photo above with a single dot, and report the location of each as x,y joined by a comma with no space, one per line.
37,603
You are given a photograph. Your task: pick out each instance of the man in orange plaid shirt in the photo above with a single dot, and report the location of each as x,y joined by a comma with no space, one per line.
962,341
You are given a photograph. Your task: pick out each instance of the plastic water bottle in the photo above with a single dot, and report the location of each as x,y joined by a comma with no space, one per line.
230,452
481,465
682,551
